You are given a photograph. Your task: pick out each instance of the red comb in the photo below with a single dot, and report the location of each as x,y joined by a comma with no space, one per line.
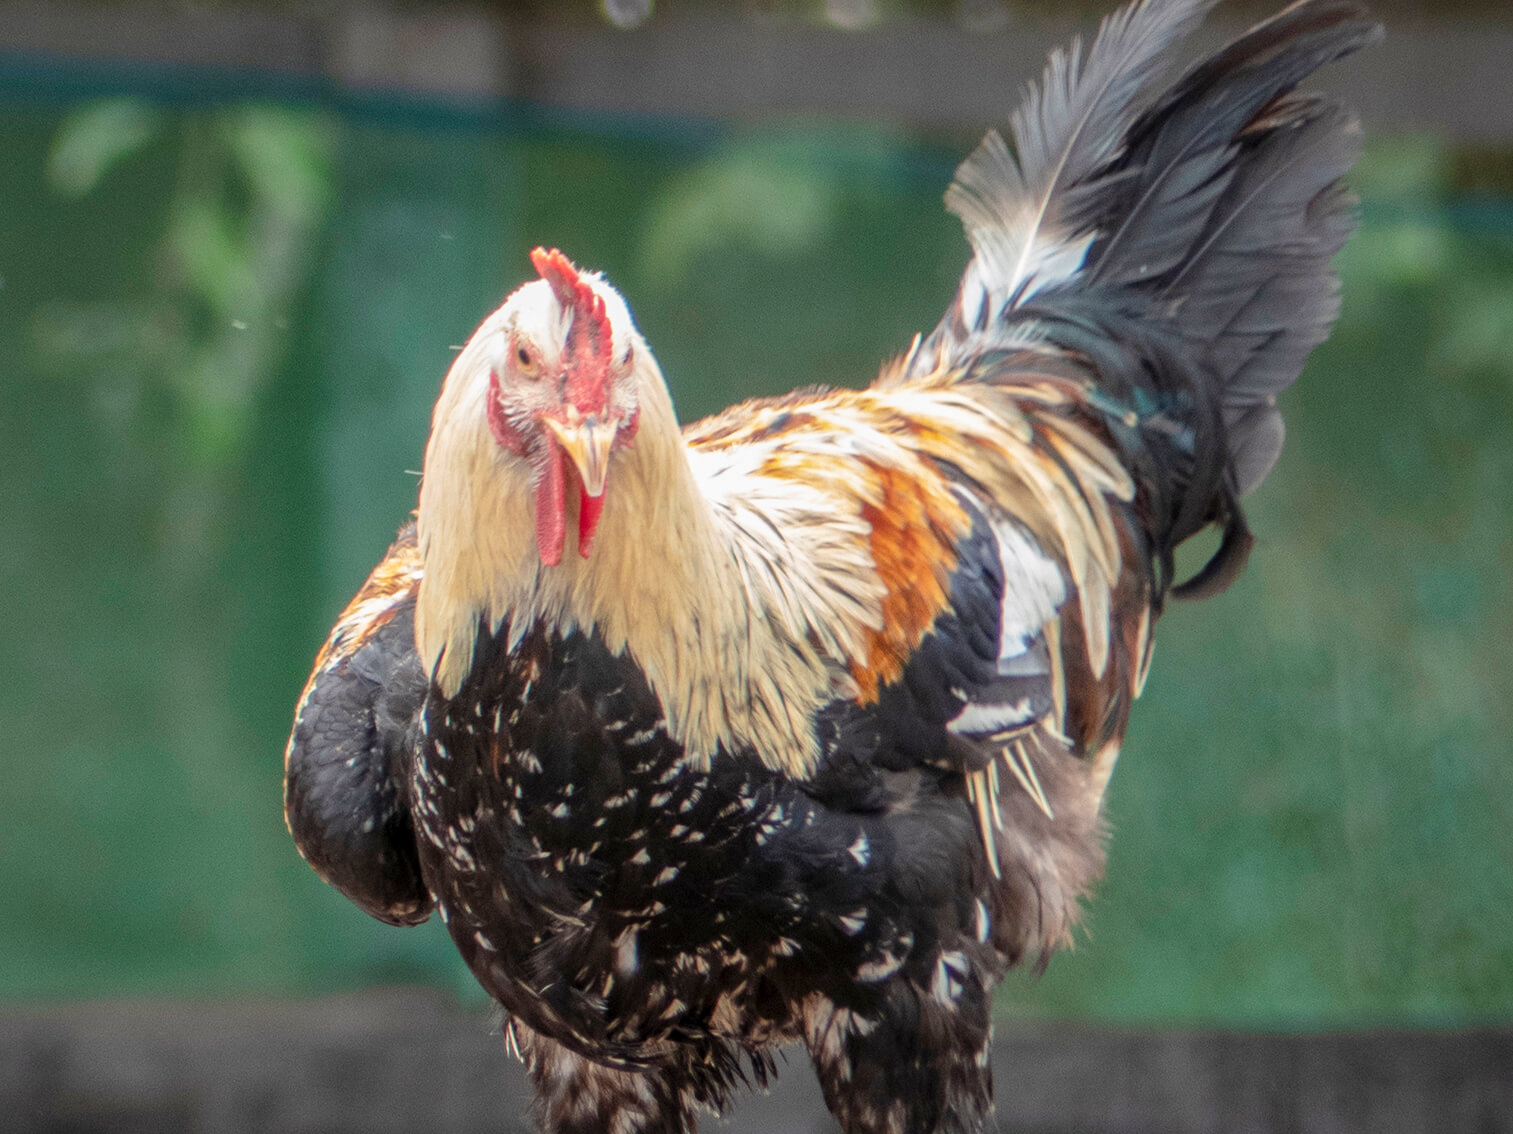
589,348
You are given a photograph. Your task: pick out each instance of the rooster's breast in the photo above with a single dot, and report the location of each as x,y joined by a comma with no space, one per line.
623,902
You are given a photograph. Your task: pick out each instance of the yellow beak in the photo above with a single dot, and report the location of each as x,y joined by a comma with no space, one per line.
587,444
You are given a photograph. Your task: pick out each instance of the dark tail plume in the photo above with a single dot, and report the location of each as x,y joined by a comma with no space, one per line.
1184,254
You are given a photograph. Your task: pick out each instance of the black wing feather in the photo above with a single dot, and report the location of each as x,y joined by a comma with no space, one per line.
349,756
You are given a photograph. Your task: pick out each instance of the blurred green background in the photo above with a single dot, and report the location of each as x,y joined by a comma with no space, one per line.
224,323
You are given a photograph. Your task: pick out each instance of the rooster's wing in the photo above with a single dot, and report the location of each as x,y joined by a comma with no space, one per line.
348,756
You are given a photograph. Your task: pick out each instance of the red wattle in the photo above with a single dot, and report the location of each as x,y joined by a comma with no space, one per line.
589,508
551,507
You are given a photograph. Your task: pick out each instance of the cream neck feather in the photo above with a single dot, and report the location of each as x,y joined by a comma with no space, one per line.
704,573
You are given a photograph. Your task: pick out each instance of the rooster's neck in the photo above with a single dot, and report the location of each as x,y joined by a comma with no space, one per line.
662,584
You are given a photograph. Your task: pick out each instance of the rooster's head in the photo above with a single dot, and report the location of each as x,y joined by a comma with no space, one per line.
562,391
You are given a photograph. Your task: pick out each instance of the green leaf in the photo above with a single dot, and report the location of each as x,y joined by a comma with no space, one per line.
94,138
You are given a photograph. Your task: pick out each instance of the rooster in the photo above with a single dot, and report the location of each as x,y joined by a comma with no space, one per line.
795,725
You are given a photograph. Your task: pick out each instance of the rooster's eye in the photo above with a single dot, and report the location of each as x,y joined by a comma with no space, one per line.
525,360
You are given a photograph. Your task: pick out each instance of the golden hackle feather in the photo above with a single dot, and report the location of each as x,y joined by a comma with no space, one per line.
1035,472
1018,761
1052,632
982,793
1145,650
871,464
1024,444
1051,473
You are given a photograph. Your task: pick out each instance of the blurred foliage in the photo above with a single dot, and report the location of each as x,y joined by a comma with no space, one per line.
226,327
152,288
765,196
